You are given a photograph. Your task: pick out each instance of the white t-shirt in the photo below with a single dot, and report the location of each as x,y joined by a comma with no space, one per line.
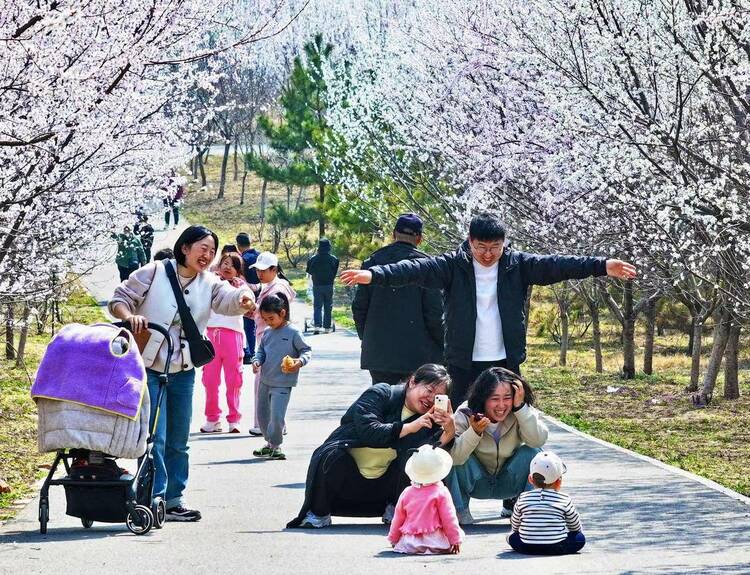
488,338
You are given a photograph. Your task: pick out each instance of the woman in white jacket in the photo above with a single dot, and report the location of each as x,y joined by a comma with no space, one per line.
147,296
498,433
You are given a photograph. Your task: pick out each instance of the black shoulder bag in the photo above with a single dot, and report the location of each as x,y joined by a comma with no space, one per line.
201,349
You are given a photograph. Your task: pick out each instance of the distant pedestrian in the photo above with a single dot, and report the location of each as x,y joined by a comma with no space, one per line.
282,352
249,257
145,232
544,520
322,268
130,255
400,328
164,254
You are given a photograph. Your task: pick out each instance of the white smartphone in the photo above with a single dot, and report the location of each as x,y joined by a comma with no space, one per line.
441,402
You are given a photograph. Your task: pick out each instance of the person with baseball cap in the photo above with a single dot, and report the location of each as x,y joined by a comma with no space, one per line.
485,283
544,520
400,329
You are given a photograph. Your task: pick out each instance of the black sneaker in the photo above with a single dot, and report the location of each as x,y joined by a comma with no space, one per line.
181,513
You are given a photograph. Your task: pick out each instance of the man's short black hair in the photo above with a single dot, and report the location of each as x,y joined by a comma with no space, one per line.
486,227
242,239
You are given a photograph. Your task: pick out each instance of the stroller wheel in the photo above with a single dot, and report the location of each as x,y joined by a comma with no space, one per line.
159,511
43,516
87,523
141,524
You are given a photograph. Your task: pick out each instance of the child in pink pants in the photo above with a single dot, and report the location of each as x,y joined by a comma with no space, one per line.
227,335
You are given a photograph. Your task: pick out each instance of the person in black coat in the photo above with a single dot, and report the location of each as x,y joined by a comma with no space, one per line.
485,286
249,257
323,268
400,328
359,469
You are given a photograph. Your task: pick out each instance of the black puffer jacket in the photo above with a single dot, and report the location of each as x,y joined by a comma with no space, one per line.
454,273
400,328
374,420
323,266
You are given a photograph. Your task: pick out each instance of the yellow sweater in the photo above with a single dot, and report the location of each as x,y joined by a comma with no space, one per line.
373,462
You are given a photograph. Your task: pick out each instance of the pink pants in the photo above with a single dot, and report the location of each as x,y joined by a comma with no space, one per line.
229,353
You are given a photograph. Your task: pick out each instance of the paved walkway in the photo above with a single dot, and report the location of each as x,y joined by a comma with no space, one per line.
638,517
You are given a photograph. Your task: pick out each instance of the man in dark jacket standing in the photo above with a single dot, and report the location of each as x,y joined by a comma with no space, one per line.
400,328
249,257
485,289
323,268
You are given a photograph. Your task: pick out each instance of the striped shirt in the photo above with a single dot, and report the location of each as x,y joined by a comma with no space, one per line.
544,517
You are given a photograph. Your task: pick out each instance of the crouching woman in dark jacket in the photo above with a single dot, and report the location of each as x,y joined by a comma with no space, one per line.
359,469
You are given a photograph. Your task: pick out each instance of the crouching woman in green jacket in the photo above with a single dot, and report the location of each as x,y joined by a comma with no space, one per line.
498,433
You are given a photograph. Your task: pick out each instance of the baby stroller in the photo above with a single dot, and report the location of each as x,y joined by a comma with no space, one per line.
96,489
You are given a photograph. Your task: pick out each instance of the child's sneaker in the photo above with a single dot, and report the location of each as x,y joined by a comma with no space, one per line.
255,432
211,427
276,454
234,428
312,521
264,451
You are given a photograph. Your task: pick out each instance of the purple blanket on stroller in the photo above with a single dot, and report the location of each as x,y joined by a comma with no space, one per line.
82,365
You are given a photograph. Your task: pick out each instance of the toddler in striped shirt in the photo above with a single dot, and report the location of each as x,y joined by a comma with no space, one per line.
545,521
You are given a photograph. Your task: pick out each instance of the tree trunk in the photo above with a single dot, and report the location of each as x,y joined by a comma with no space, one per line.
596,335
194,163
289,197
202,168
223,176
236,145
22,337
242,191
691,335
10,349
648,354
322,221
731,363
697,348
263,200
564,334
628,333
527,308
721,335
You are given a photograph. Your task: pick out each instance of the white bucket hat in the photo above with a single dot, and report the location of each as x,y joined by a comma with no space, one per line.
548,465
429,465
266,260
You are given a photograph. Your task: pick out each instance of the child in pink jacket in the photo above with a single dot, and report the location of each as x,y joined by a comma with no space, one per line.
425,521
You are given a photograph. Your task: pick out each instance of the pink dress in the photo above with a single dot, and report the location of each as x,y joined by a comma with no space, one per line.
425,521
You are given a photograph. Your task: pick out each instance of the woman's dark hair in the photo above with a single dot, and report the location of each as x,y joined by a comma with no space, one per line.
432,374
237,262
188,237
163,254
274,303
229,249
488,381
486,227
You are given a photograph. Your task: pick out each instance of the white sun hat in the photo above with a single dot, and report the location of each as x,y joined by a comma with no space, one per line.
266,260
548,465
429,465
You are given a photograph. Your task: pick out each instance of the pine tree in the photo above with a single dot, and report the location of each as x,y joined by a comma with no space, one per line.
299,136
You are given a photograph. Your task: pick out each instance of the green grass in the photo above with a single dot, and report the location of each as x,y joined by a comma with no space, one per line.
19,460
650,415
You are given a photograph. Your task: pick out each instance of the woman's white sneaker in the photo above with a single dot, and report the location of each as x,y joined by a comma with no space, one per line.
315,521
212,427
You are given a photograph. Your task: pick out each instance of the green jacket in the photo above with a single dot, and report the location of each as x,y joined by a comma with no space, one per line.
129,251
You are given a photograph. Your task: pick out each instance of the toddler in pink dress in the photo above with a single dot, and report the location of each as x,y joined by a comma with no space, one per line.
425,521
